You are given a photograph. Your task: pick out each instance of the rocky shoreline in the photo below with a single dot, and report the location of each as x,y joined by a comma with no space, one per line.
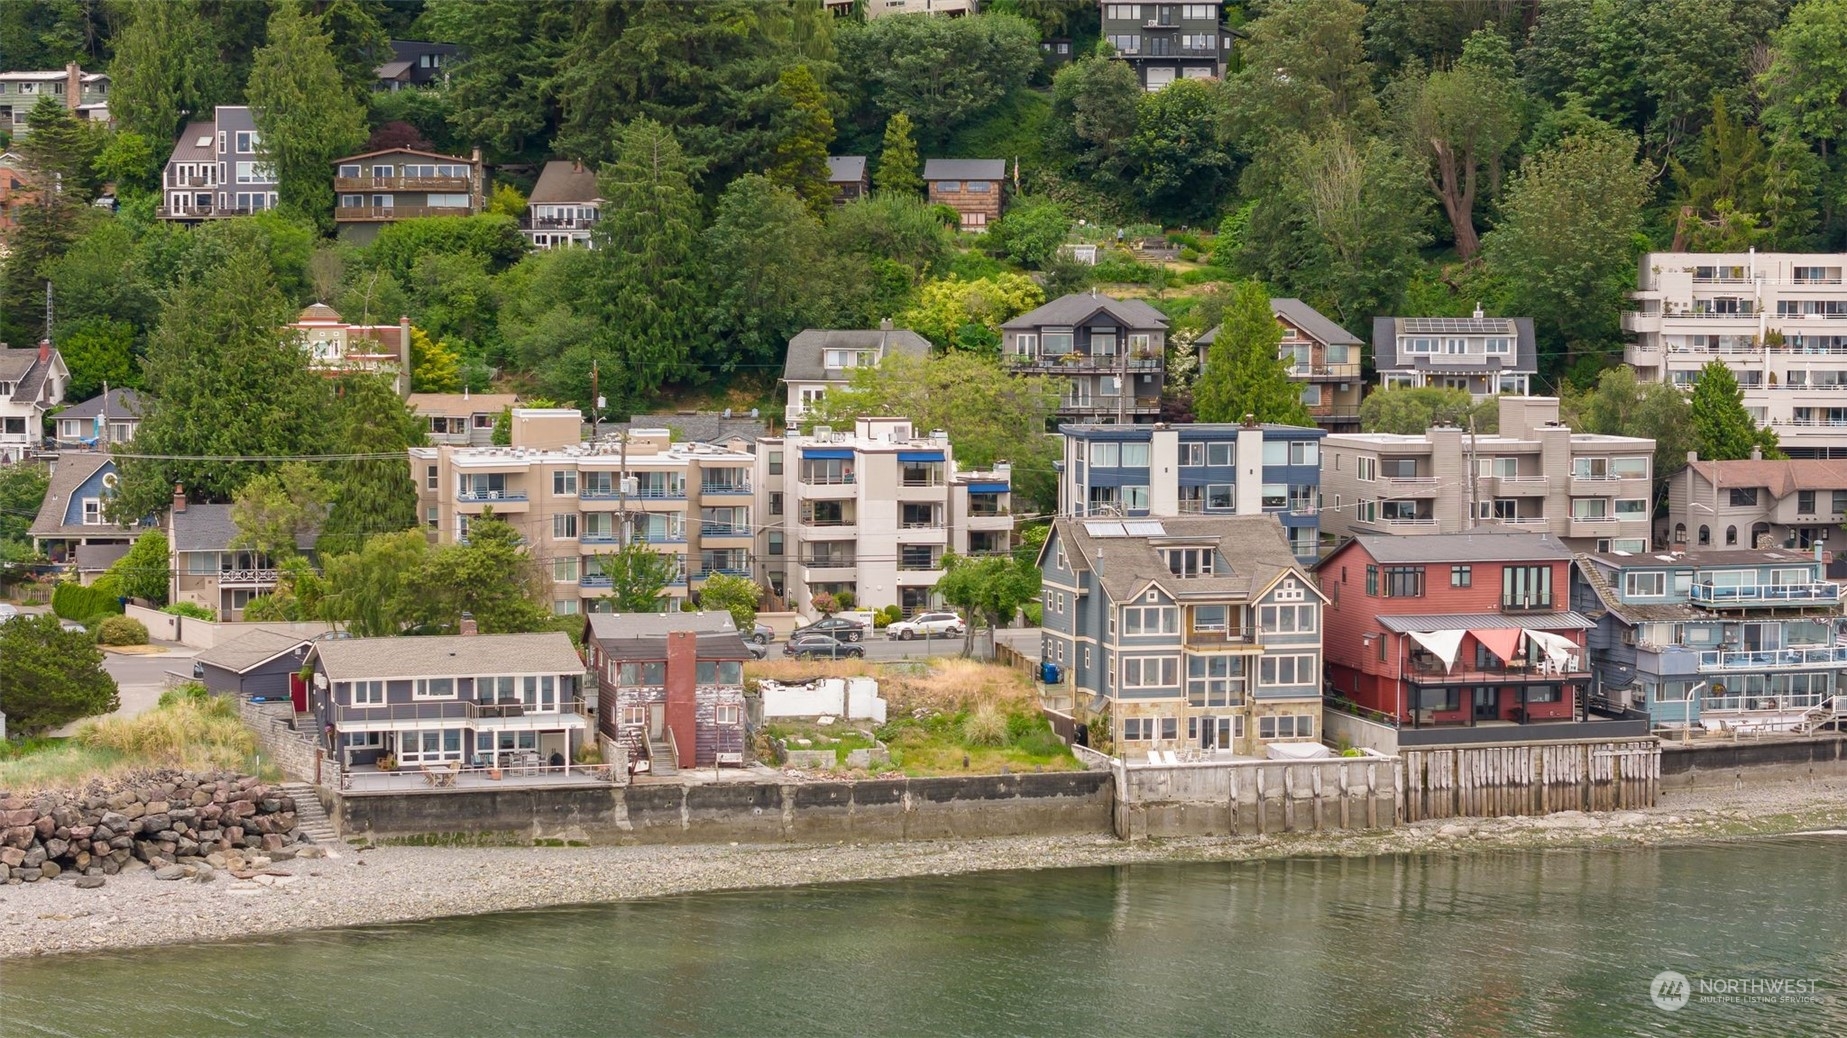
379,885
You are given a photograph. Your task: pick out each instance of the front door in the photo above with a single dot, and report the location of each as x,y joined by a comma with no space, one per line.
657,720
1487,704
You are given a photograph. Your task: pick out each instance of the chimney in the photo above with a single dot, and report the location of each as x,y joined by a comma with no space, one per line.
1478,313
179,498
44,351
467,625
1692,456
73,86
1757,454
403,355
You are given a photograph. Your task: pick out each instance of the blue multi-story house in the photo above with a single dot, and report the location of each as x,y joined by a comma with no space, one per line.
1209,469
72,527
1741,638
1188,634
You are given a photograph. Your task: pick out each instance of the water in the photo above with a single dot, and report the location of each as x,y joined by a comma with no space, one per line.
1509,943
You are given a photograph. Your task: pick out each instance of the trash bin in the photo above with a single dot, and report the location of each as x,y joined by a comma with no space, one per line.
1048,672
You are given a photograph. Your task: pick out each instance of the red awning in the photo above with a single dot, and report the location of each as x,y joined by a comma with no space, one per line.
1502,641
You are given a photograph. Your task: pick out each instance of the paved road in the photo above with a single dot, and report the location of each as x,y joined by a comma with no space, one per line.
878,647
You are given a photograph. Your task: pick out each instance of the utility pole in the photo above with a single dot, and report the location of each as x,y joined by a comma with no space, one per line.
47,311
622,496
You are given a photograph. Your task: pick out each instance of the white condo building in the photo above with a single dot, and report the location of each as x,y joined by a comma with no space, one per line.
1777,319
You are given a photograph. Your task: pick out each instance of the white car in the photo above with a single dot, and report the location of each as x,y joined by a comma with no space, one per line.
927,625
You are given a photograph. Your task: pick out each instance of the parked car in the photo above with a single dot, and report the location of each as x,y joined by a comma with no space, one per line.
762,634
8,611
928,625
820,646
834,627
757,649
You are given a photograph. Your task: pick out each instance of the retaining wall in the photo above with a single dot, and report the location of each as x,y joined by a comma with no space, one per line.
1757,760
1530,779
292,751
1035,804
1224,798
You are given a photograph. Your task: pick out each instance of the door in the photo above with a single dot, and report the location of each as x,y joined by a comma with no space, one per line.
298,693
657,720
1487,704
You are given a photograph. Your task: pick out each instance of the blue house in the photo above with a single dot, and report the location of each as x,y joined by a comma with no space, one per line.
70,527
1740,638
1194,634
1131,471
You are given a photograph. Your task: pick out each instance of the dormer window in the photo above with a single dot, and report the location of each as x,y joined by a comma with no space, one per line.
1190,562
6,389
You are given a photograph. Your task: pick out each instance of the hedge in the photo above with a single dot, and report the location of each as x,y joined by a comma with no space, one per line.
72,601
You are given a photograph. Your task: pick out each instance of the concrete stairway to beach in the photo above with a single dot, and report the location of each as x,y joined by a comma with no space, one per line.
310,817
662,764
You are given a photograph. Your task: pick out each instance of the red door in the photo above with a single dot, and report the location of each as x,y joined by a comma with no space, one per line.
298,691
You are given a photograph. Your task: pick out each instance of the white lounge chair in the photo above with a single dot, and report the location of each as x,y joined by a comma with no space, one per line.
1172,759
1154,757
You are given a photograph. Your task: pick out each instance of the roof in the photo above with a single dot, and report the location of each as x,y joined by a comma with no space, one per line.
21,366
1612,603
1079,307
404,151
1254,546
394,69
94,558
1389,549
246,652
1781,477
643,636
565,181
189,148
1310,320
1705,557
704,427
1566,620
117,403
208,527
965,169
73,470
1386,330
459,403
846,169
454,655
808,350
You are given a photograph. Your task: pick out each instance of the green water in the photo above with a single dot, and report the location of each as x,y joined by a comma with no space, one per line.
1516,944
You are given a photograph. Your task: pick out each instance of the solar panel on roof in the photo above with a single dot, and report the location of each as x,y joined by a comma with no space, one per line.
1144,529
1104,529
1457,325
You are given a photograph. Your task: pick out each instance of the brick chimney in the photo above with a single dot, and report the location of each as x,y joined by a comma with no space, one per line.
44,351
179,498
682,695
73,86
467,625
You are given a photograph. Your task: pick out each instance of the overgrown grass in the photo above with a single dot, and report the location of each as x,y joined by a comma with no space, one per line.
190,729
53,764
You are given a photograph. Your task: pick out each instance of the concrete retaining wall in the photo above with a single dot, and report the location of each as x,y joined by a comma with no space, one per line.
293,752
207,634
1757,760
882,810
1225,798
1340,727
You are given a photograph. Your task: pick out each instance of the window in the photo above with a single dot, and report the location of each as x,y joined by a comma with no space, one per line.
1211,617
1106,455
1127,43
1286,726
564,526
719,672
92,511
1220,498
1150,671
1461,576
728,715
1840,502
1404,581
1275,496
564,571
775,502
1526,587
1498,345
1273,671
360,693
1805,502
1190,562
1214,680
1366,469
1138,729
1286,619
1025,344
1645,585
1140,620
775,542
1304,452
642,674
1372,580
1629,468
1590,508
1631,508
249,141
1135,497
1744,497
564,482
434,688
775,463
254,173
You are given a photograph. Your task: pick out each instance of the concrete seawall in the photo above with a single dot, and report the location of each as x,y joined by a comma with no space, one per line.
881,810
1764,759
1253,797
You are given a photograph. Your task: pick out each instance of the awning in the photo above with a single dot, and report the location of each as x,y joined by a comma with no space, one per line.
909,456
1504,642
827,455
1444,643
988,488
1558,651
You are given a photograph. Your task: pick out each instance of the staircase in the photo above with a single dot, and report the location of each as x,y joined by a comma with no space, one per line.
1830,714
309,815
661,759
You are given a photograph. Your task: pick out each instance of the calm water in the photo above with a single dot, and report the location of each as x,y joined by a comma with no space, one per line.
1559,943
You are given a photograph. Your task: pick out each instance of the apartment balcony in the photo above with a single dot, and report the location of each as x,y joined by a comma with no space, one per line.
934,492
1594,526
191,182
1099,407
501,501
362,185
1520,523
1822,593
596,581
1531,604
1235,639
1001,519
826,488
724,490
1325,372
1083,363
1516,486
827,530
247,578
557,223
610,537
388,213
1414,524
1609,486
1758,660
1407,486
829,569
661,536
923,533
657,493
718,531
202,212
1502,675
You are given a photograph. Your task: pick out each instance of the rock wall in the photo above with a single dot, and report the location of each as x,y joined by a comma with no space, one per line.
163,820
294,753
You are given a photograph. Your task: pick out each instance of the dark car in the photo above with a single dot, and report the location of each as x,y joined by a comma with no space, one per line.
834,627
820,646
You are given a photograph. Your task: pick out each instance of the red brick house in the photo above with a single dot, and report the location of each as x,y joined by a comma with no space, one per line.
1455,630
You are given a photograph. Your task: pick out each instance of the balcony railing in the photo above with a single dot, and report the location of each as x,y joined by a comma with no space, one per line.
557,223
723,530
1520,520
844,521
1327,371
1533,604
659,493
1573,668
365,213
919,565
247,576
202,212
828,561
597,580
478,496
473,710
727,571
827,479
1773,659
450,185
724,488
1819,593
1083,362
1221,636
1411,522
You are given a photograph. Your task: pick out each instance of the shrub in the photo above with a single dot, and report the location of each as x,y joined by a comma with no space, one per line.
188,732
589,753
845,599
122,630
191,691
72,601
985,726
1042,742
192,610
1189,254
1021,725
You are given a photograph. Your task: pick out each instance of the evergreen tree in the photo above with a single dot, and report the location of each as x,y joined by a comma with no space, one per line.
491,578
374,495
769,273
799,161
307,113
1722,429
50,676
61,152
1244,373
898,172
164,69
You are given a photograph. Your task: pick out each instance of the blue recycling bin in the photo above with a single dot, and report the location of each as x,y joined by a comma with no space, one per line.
1048,672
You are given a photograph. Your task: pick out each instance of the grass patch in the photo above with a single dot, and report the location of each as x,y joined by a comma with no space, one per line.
841,738
54,764
481,839
190,729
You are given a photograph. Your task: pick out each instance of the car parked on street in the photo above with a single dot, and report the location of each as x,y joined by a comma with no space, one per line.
834,627
762,634
821,646
928,625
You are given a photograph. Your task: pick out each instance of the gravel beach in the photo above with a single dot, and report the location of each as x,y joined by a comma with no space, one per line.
353,887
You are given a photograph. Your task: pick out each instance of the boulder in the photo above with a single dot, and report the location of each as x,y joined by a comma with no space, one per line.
28,875
52,869
170,872
21,816
12,857
134,811
20,836
89,882
56,848
115,821
157,807
35,856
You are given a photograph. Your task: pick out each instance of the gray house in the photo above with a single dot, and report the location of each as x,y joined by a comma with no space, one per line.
670,686
1483,355
821,359
1110,352
1200,634
265,662
218,169
847,173
488,700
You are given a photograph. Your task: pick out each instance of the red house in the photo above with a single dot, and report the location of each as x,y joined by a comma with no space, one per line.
1455,630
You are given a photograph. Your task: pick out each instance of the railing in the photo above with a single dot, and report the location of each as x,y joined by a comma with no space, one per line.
1767,594
1542,604
1224,636
922,524
558,223
361,184
596,581
723,530
809,521
598,538
1433,673
1412,521
450,709
826,480
666,537
1333,371
989,513
828,561
1409,481
397,212
446,775
923,566
1765,701
477,496
247,576
726,571
935,482
202,212
1083,362
1772,659
724,488
659,493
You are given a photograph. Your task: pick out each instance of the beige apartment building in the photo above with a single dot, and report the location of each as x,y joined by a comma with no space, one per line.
871,512
570,499
1535,476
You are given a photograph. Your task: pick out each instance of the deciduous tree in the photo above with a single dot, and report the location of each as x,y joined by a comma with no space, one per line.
943,72
144,571
947,306
1244,376
1461,123
637,574
733,594
279,511
1409,411
375,591
990,591
1179,169
1303,66
491,578
50,676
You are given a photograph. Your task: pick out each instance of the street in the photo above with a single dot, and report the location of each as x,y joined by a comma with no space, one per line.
886,650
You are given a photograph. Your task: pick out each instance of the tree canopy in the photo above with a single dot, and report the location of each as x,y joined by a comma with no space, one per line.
50,676
1244,376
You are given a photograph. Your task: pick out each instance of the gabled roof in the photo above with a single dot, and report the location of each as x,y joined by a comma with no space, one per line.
1613,604
1386,330
404,151
95,558
643,636
22,367
564,182
1079,307
846,169
1310,320
807,361
208,527
965,169
454,655
1127,563
1392,550
188,148
460,404
1781,477
73,471
117,403
249,651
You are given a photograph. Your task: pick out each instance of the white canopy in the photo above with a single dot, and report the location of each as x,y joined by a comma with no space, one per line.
1559,651
1445,644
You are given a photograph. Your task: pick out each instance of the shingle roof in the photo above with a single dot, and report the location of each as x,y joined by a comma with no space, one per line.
1254,546
1310,320
455,655
643,636
1566,620
1078,307
1462,547
241,654
846,169
564,182
1612,603
20,366
965,169
1781,477
404,151
457,404
697,428
94,558
1385,332
72,471
808,350
208,527
117,403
